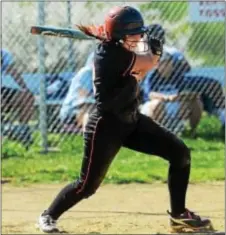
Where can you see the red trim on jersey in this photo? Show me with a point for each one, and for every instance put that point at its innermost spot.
(90, 158)
(131, 64)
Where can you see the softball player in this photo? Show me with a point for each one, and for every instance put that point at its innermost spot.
(116, 121)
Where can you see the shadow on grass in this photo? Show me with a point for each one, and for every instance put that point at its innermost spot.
(207, 135)
(209, 128)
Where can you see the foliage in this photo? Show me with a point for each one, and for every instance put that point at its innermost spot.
(21, 166)
(203, 41)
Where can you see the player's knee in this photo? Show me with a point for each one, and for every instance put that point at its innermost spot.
(90, 189)
(83, 189)
(184, 158)
(89, 192)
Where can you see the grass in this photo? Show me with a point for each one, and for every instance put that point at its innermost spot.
(24, 167)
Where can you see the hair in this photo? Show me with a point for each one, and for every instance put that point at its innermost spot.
(95, 31)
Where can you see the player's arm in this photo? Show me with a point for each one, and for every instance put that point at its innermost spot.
(162, 97)
(173, 98)
(157, 95)
(148, 61)
(139, 75)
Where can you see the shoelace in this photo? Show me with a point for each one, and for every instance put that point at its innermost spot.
(192, 215)
(50, 221)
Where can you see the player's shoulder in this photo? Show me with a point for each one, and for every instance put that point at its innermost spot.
(6, 58)
(109, 49)
(4, 51)
(86, 70)
(171, 50)
(90, 59)
(6, 55)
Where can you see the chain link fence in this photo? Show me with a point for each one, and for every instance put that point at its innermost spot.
(43, 79)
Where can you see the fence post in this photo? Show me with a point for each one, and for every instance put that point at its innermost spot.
(42, 101)
(71, 57)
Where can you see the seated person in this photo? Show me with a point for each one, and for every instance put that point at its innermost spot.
(172, 75)
(165, 103)
(79, 100)
(18, 99)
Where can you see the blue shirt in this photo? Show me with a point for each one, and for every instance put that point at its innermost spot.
(7, 80)
(90, 59)
(155, 82)
(6, 59)
(79, 93)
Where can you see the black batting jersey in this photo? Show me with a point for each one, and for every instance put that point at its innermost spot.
(116, 90)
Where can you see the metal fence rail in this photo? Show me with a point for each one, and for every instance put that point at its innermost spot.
(37, 72)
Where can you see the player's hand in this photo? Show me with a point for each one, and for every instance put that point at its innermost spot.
(155, 45)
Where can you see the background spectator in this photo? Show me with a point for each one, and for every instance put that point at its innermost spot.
(79, 100)
(172, 78)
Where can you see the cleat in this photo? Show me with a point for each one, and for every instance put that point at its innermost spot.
(189, 222)
(47, 224)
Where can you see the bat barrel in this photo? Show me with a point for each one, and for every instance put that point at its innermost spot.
(59, 32)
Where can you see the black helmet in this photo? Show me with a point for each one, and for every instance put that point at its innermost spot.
(156, 30)
(122, 21)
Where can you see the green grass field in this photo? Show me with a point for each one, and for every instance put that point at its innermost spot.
(23, 167)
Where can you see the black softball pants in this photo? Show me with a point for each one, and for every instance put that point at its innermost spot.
(103, 138)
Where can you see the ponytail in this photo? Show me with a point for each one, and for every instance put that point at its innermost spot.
(97, 32)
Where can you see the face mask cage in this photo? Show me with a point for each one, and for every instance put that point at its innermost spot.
(142, 45)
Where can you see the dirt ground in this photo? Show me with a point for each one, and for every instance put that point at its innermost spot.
(114, 209)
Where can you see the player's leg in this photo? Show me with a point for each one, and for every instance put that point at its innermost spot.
(101, 144)
(206, 87)
(196, 110)
(153, 139)
(154, 109)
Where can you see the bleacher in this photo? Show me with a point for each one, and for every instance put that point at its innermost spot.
(33, 84)
(54, 103)
(33, 80)
(217, 73)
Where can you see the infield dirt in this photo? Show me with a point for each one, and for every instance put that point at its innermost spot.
(114, 209)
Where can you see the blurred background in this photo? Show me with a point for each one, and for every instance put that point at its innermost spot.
(46, 86)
